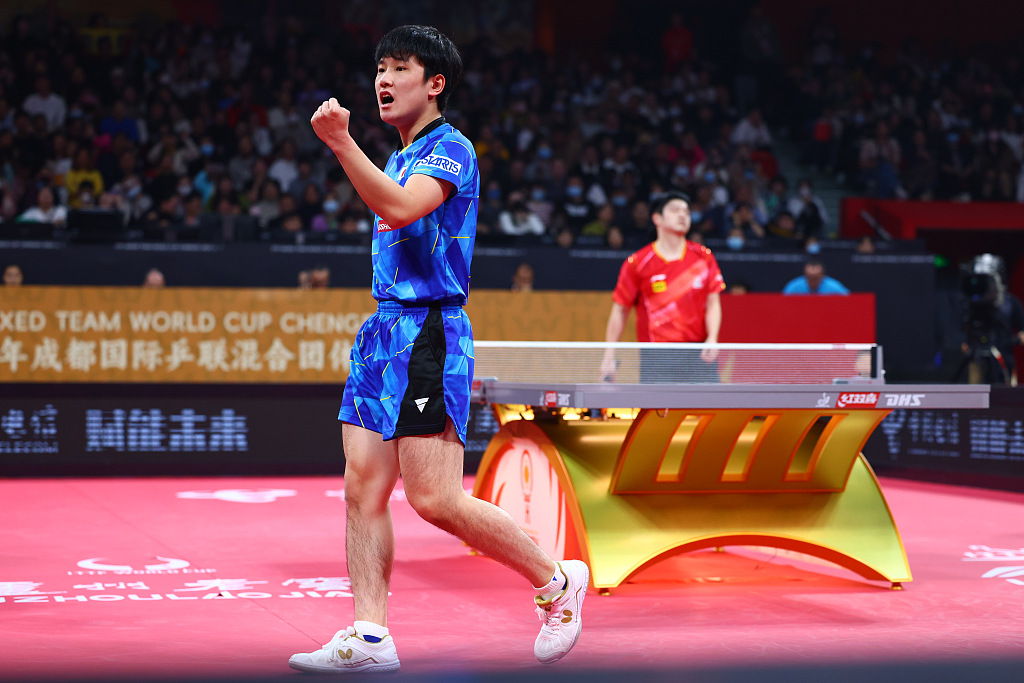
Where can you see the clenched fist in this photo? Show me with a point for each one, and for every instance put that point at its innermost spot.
(330, 122)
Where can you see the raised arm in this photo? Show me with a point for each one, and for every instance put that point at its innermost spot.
(396, 205)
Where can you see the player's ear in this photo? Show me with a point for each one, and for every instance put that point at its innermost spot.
(436, 84)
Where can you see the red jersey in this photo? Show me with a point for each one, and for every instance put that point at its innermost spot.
(670, 296)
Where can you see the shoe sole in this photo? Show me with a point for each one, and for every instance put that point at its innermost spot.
(372, 668)
(586, 585)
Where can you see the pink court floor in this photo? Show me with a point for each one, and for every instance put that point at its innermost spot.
(177, 578)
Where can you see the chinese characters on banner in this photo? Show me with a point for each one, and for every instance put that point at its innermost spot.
(59, 334)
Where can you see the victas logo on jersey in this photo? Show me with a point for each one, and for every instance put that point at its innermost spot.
(443, 163)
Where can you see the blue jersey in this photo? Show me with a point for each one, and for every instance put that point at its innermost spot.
(428, 260)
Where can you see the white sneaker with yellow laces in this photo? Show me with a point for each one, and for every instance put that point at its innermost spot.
(347, 652)
(560, 615)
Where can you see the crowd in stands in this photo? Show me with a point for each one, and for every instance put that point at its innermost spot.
(905, 125)
(189, 133)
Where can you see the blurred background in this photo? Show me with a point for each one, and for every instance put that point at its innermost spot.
(169, 145)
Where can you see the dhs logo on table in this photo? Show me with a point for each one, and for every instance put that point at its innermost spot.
(857, 399)
(903, 400)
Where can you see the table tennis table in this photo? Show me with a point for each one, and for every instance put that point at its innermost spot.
(625, 474)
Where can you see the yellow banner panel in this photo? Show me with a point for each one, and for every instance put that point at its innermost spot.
(130, 334)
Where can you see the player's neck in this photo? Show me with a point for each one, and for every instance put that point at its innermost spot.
(670, 245)
(426, 117)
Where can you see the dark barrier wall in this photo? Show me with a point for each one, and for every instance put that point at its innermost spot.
(970, 446)
(903, 283)
(123, 430)
(181, 429)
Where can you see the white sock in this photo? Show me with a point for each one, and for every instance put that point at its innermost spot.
(556, 584)
(368, 628)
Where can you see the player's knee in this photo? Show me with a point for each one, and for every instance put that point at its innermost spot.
(433, 507)
(365, 493)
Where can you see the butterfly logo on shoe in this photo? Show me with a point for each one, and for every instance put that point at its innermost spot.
(568, 616)
(345, 654)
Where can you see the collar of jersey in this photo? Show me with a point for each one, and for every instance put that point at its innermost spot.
(439, 121)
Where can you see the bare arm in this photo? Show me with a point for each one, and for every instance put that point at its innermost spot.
(612, 334)
(713, 322)
(396, 205)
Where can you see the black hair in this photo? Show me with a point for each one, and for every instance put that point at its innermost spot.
(434, 50)
(659, 204)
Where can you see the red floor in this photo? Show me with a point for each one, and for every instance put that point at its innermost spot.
(166, 578)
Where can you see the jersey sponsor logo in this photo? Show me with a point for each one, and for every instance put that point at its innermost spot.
(903, 400)
(382, 226)
(443, 163)
(857, 399)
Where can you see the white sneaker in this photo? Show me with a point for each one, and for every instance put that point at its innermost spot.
(561, 615)
(347, 651)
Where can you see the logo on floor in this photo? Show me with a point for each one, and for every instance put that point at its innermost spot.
(174, 589)
(239, 495)
(984, 553)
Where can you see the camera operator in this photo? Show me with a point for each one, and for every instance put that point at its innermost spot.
(994, 322)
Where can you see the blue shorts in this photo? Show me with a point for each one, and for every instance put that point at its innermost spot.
(411, 368)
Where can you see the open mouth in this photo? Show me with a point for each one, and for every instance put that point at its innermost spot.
(386, 98)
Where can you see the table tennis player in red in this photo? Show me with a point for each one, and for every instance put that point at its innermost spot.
(674, 285)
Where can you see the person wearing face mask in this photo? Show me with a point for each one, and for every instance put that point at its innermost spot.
(330, 218)
(539, 204)
(675, 286)
(576, 210)
(814, 281)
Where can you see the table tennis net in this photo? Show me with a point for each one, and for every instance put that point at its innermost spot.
(640, 363)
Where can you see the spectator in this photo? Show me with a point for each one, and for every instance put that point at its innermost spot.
(268, 208)
(919, 178)
(240, 166)
(784, 226)
(47, 103)
(83, 172)
(522, 278)
(602, 222)
(285, 168)
(320, 277)
(517, 219)
(13, 277)
(814, 281)
(45, 211)
(752, 131)
(576, 210)
(490, 208)
(775, 201)
(743, 225)
(329, 218)
(539, 204)
(880, 156)
(808, 210)
(120, 122)
(676, 43)
(154, 279)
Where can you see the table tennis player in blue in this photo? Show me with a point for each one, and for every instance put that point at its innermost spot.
(406, 402)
